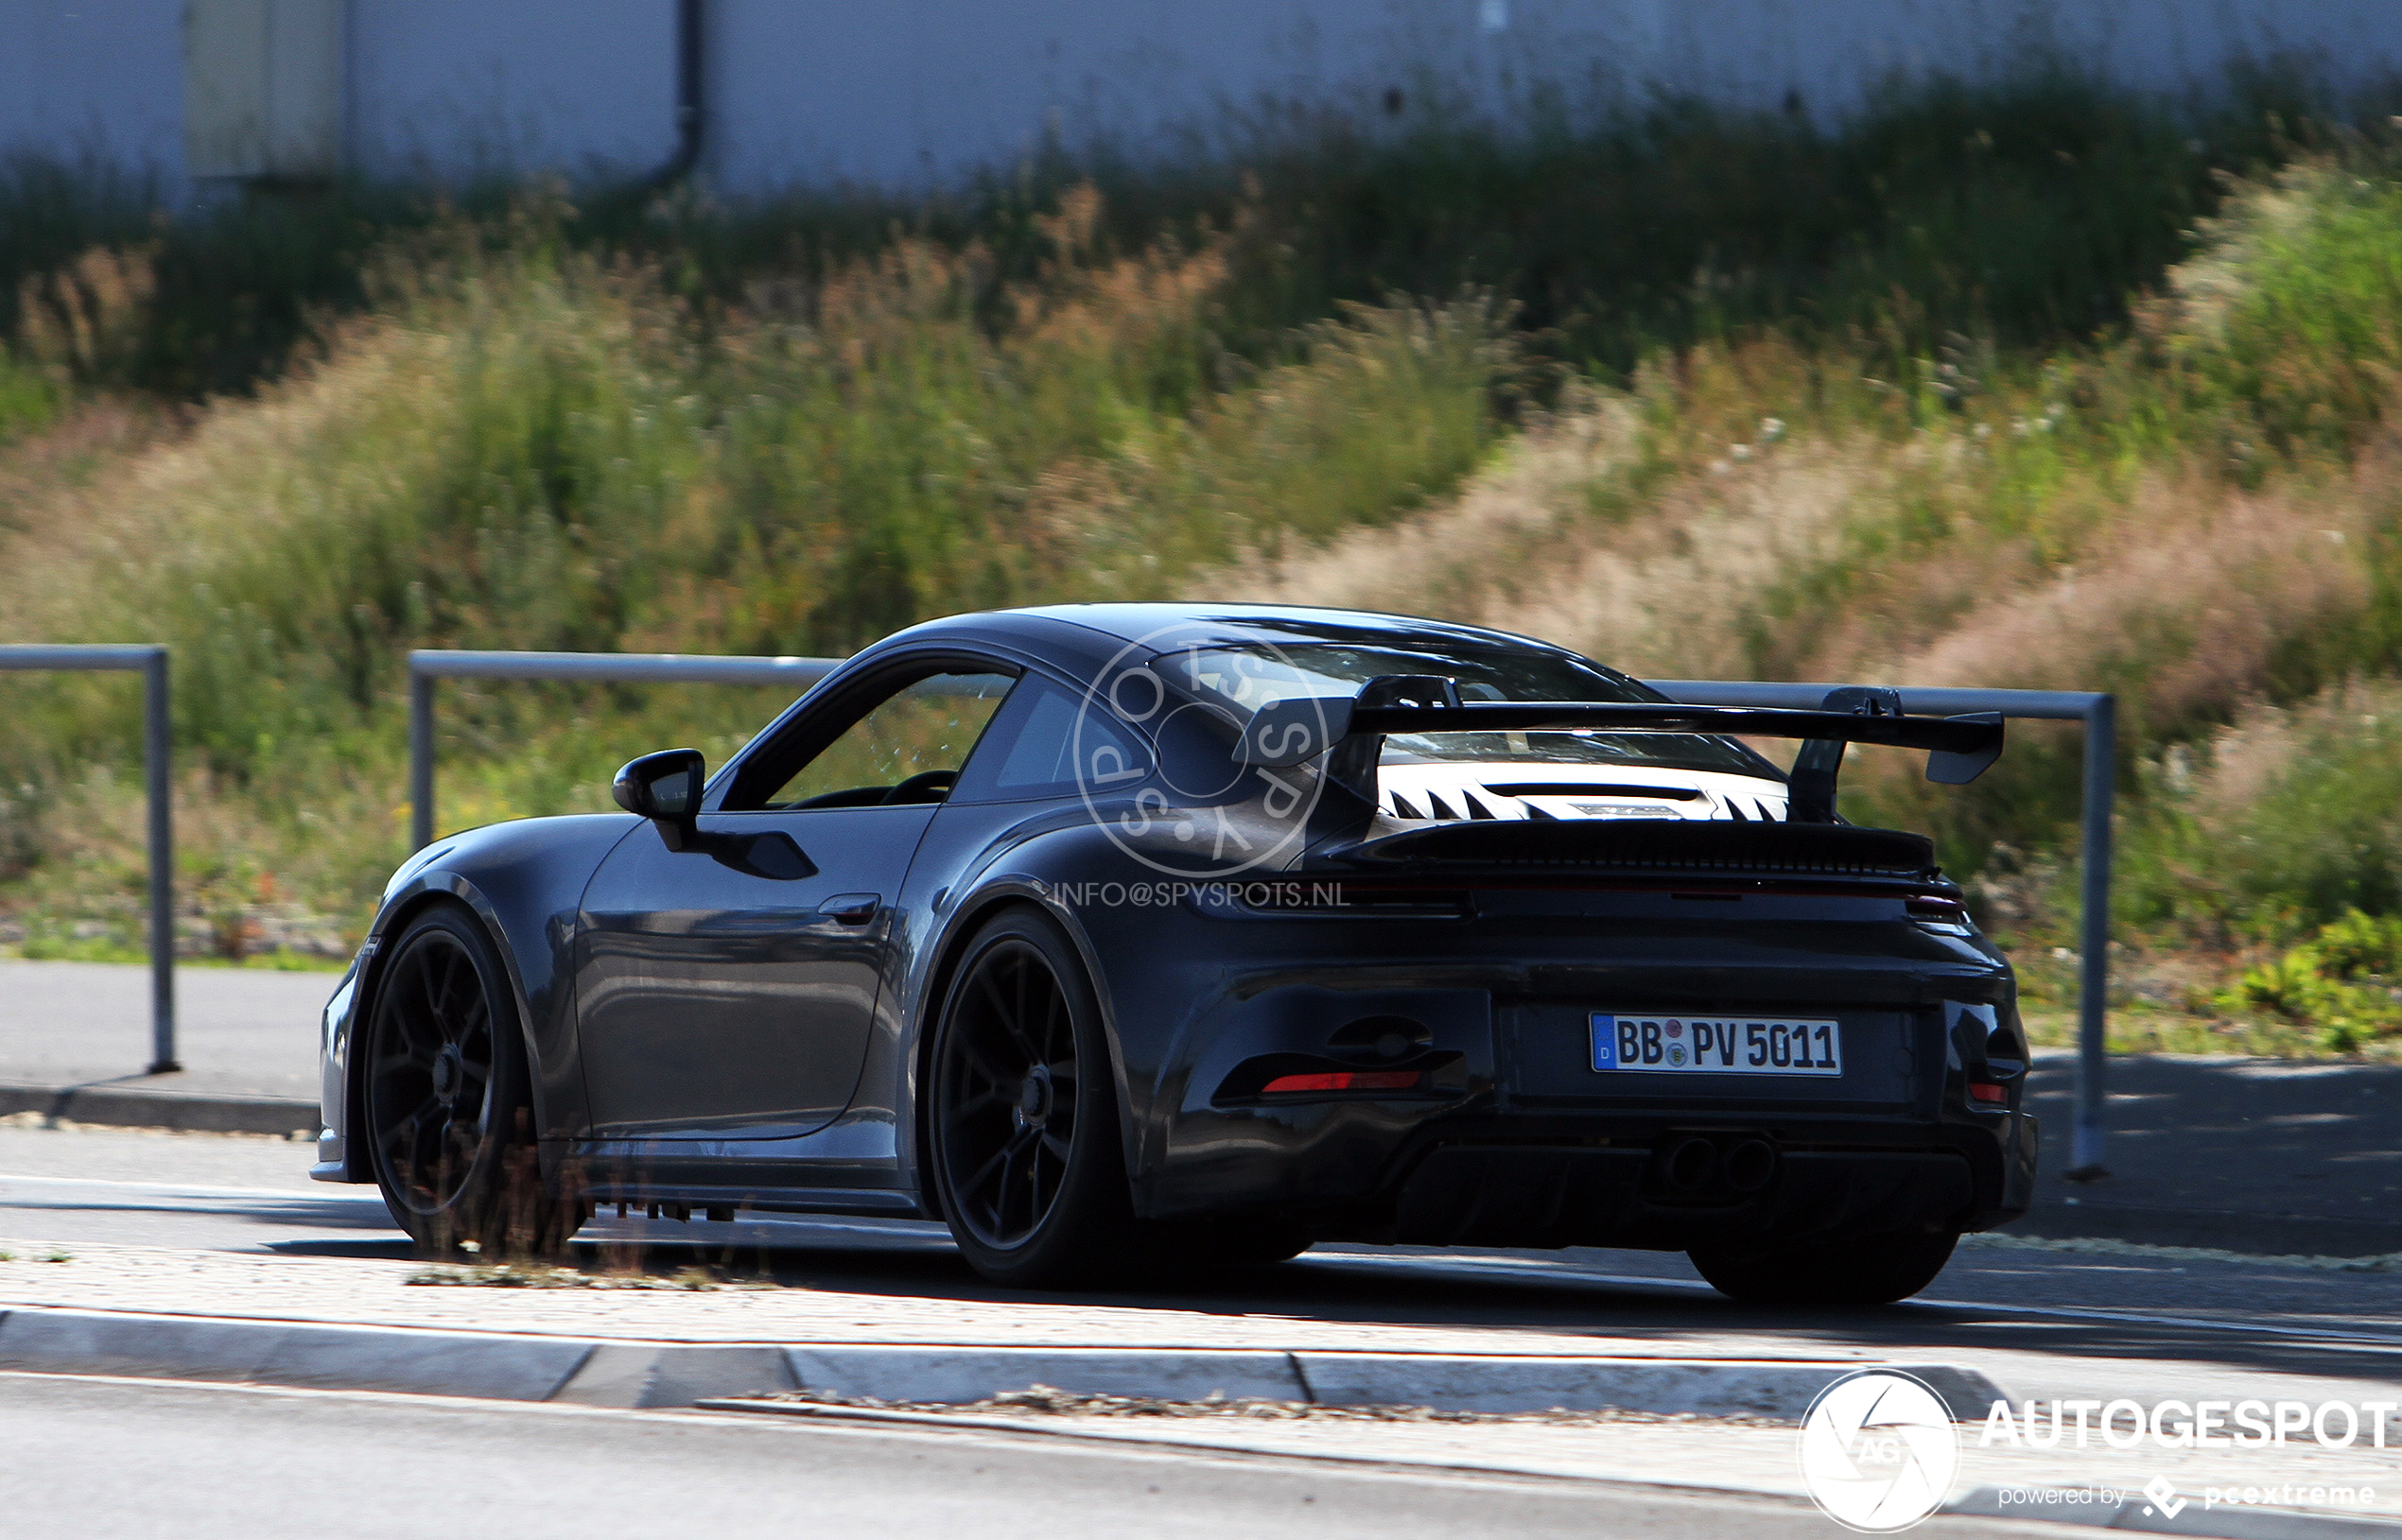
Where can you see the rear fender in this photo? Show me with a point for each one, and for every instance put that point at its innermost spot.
(1001, 893)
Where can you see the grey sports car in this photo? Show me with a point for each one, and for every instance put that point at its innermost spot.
(1116, 935)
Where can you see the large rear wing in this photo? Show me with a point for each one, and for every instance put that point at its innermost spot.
(1293, 732)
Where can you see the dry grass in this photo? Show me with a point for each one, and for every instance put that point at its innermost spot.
(524, 443)
(521, 448)
(113, 499)
(2190, 598)
(1543, 542)
(2245, 761)
(1471, 556)
(2193, 596)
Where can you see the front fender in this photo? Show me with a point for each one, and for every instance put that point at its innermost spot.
(522, 881)
(343, 1072)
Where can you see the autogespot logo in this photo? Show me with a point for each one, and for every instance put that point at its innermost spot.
(1224, 817)
(1878, 1451)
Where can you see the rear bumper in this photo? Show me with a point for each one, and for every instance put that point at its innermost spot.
(1544, 1181)
(1548, 1182)
(1512, 1134)
(1470, 1194)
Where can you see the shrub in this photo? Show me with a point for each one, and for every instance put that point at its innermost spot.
(2334, 983)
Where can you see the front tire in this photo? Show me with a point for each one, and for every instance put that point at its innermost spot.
(1875, 1269)
(449, 1099)
(1023, 1133)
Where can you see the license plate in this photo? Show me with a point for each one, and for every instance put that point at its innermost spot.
(1717, 1045)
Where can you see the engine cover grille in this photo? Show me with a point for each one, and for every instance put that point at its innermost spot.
(1655, 846)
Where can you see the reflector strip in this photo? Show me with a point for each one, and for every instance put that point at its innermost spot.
(1980, 1091)
(1348, 1080)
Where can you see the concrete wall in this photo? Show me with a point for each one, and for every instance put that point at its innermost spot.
(463, 84)
(94, 77)
(1753, 51)
(918, 92)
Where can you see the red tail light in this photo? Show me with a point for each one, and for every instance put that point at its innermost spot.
(1985, 1091)
(1347, 1079)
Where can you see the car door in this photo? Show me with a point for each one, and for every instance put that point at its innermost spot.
(729, 989)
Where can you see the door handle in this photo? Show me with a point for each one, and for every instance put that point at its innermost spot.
(852, 908)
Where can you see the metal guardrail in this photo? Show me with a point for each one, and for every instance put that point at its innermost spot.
(151, 661)
(428, 665)
(2099, 713)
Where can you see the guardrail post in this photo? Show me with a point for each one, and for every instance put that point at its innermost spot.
(421, 756)
(158, 770)
(2093, 973)
(149, 659)
(427, 665)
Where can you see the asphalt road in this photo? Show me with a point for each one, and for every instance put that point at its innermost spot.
(2045, 1321)
(239, 1031)
(94, 1458)
(2263, 1155)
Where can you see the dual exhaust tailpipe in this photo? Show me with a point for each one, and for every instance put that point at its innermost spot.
(1694, 1167)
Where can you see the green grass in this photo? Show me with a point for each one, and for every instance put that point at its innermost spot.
(2149, 1031)
(26, 400)
(523, 445)
(2255, 388)
(591, 419)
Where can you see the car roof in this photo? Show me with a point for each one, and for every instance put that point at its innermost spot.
(1172, 627)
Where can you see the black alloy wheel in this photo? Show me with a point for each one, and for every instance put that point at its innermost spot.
(1023, 1123)
(448, 1106)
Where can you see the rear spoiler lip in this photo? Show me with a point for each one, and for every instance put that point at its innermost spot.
(1291, 732)
(1682, 855)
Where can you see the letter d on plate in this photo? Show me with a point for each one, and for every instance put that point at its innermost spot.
(1605, 1033)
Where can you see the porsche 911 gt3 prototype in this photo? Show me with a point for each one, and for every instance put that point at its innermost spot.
(1111, 934)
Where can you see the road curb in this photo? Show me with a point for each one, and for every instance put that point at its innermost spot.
(127, 1106)
(644, 1374)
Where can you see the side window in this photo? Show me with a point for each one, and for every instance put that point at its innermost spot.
(1050, 743)
(908, 746)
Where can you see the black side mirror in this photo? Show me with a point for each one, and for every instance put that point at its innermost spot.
(665, 788)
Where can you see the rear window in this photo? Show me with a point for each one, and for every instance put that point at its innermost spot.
(1244, 680)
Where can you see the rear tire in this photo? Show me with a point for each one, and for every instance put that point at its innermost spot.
(1024, 1143)
(1875, 1270)
(449, 1099)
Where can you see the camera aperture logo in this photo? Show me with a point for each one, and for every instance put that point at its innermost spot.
(1190, 816)
(1878, 1451)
